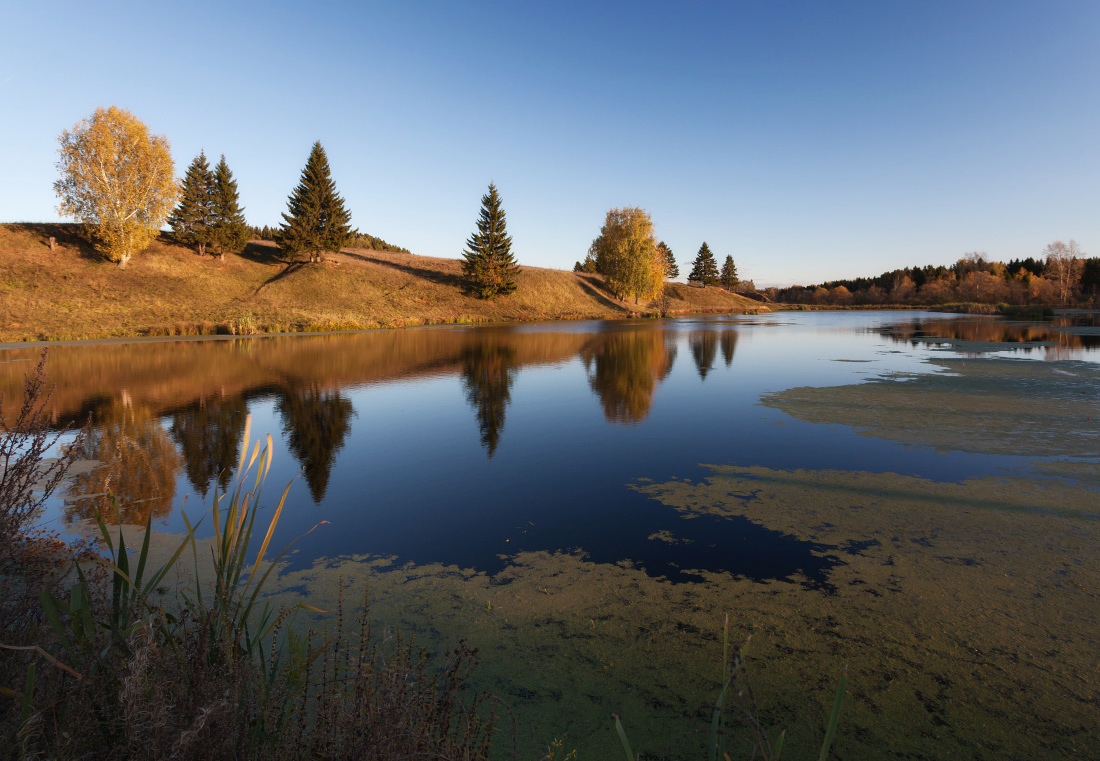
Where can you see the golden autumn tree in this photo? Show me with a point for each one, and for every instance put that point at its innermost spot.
(117, 179)
(626, 254)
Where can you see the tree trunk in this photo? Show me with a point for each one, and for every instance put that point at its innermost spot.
(53, 243)
(123, 261)
(202, 249)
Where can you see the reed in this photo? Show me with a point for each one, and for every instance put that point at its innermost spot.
(121, 670)
(717, 732)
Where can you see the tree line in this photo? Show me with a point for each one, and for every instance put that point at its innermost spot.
(119, 180)
(358, 239)
(1060, 274)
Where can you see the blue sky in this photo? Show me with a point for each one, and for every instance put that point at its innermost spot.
(810, 140)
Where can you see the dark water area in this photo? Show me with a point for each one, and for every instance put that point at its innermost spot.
(520, 453)
(462, 446)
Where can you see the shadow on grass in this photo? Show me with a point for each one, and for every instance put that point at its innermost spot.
(431, 275)
(289, 270)
(595, 288)
(262, 253)
(69, 234)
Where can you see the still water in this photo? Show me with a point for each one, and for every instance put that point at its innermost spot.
(908, 496)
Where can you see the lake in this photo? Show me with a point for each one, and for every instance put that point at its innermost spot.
(909, 498)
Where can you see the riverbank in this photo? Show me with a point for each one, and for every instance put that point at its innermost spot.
(71, 293)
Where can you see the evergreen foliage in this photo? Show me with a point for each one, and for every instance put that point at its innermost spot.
(588, 266)
(192, 219)
(316, 220)
(365, 240)
(488, 373)
(672, 270)
(316, 423)
(704, 269)
(488, 263)
(729, 274)
(229, 231)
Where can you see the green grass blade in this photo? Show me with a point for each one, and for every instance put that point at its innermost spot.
(144, 556)
(622, 739)
(834, 719)
(50, 605)
(725, 649)
(270, 532)
(156, 578)
(779, 745)
(715, 720)
(104, 532)
(274, 564)
(27, 707)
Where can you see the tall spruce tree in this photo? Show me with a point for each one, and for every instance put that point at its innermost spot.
(229, 233)
(672, 270)
(316, 220)
(488, 263)
(729, 274)
(704, 269)
(192, 219)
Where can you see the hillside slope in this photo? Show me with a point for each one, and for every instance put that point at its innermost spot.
(72, 293)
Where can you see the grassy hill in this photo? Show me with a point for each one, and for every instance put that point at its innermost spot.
(72, 293)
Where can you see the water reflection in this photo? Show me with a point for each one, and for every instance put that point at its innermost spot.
(209, 436)
(729, 345)
(488, 372)
(315, 423)
(1059, 338)
(139, 467)
(704, 349)
(624, 369)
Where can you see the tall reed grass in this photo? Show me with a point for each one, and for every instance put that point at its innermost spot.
(717, 731)
(121, 668)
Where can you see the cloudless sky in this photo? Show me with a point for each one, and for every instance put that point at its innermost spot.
(811, 140)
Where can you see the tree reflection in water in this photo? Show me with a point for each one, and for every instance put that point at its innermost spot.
(139, 467)
(488, 372)
(624, 370)
(729, 345)
(209, 433)
(316, 423)
(704, 348)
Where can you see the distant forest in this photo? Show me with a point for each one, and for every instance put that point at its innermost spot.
(974, 278)
(358, 239)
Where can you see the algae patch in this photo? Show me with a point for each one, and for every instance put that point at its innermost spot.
(984, 406)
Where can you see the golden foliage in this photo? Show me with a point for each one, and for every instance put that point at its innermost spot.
(624, 369)
(626, 253)
(116, 178)
(139, 468)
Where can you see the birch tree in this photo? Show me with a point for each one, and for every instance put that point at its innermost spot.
(117, 179)
(1064, 264)
(626, 254)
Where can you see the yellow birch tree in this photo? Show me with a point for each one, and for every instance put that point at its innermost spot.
(626, 254)
(117, 179)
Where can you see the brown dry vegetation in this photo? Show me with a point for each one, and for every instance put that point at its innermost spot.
(72, 293)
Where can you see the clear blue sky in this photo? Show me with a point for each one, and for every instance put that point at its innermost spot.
(810, 140)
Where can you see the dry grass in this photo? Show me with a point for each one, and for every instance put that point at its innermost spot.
(72, 293)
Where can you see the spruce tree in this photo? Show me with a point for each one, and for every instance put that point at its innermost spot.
(230, 233)
(191, 220)
(488, 263)
(729, 274)
(672, 270)
(704, 269)
(316, 220)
